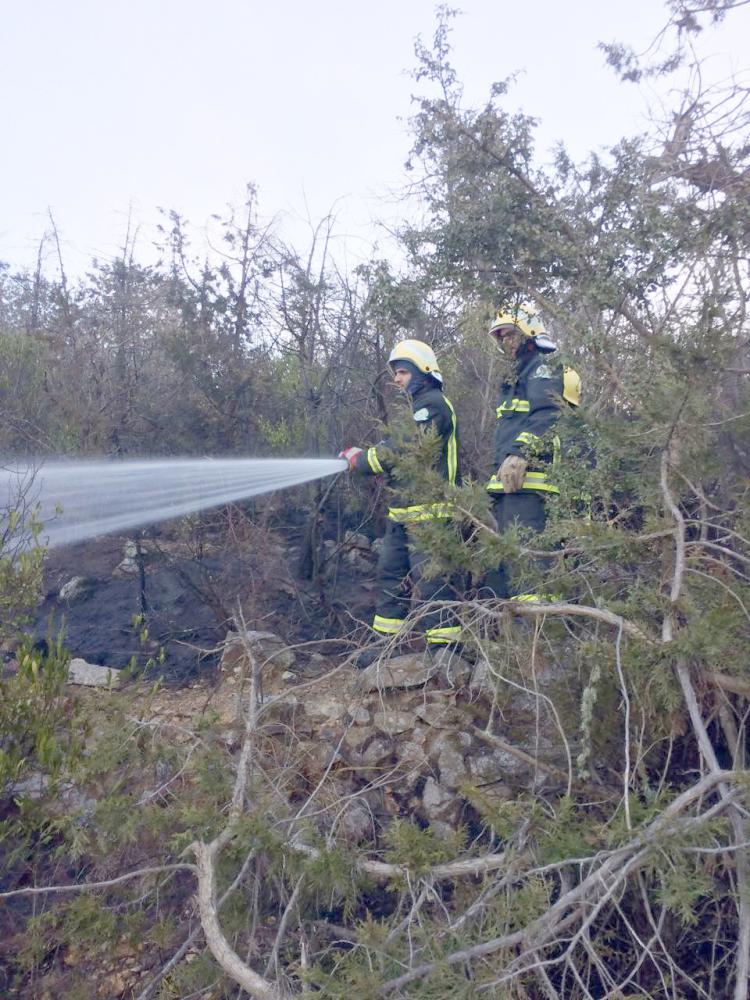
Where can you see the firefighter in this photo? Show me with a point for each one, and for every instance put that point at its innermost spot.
(527, 450)
(416, 372)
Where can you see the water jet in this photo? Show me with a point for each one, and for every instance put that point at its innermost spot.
(77, 500)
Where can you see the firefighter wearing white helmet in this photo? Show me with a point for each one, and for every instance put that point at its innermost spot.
(527, 446)
(417, 373)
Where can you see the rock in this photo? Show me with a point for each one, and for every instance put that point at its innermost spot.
(439, 804)
(494, 794)
(359, 716)
(357, 540)
(328, 708)
(494, 765)
(439, 714)
(33, 787)
(357, 550)
(76, 589)
(377, 752)
(393, 722)
(356, 823)
(408, 671)
(269, 648)
(412, 753)
(73, 799)
(129, 565)
(482, 682)
(358, 560)
(92, 674)
(447, 753)
(452, 668)
(451, 765)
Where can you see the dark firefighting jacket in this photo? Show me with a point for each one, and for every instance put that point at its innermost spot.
(430, 410)
(527, 412)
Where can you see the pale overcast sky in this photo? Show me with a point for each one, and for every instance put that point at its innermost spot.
(110, 106)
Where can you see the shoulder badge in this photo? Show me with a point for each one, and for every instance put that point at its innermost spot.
(543, 371)
(421, 415)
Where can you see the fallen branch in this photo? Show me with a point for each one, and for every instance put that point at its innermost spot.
(41, 890)
(602, 880)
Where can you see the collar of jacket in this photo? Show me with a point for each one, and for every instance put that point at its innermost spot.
(424, 386)
(419, 385)
(526, 361)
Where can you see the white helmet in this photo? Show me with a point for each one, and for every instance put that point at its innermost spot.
(421, 355)
(525, 319)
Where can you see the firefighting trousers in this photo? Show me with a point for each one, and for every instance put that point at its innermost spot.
(525, 510)
(400, 578)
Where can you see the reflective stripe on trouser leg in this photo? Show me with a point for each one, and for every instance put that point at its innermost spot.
(536, 598)
(443, 635)
(387, 626)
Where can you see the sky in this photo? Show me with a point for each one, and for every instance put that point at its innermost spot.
(112, 109)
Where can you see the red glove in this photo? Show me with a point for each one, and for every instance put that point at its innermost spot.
(350, 456)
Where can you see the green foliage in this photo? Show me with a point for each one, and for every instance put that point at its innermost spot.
(682, 884)
(39, 732)
(21, 562)
(420, 849)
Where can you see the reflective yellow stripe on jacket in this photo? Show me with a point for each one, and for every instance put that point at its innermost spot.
(514, 406)
(420, 512)
(452, 446)
(531, 481)
(373, 461)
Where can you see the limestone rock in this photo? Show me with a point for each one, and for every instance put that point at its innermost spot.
(357, 550)
(129, 565)
(358, 561)
(33, 787)
(379, 751)
(495, 765)
(92, 674)
(356, 823)
(357, 540)
(439, 714)
(393, 722)
(408, 671)
(359, 716)
(270, 649)
(451, 765)
(412, 754)
(439, 805)
(76, 589)
(452, 668)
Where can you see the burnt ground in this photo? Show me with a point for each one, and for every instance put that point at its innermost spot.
(192, 582)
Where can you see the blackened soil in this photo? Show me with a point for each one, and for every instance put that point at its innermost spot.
(190, 595)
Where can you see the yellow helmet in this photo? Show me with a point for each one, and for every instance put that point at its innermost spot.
(523, 317)
(421, 355)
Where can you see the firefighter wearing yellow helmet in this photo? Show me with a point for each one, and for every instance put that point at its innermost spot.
(417, 373)
(527, 446)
